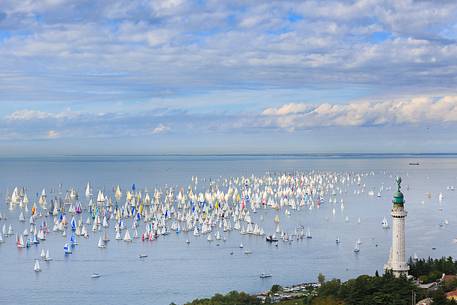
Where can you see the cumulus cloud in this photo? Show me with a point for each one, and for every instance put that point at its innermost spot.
(160, 129)
(215, 44)
(52, 134)
(30, 115)
(417, 110)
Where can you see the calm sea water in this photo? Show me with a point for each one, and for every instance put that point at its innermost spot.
(177, 272)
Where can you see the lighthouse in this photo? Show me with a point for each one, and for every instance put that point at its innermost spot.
(397, 258)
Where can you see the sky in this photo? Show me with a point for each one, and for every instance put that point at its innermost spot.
(215, 77)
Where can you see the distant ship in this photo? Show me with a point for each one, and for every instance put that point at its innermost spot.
(413, 163)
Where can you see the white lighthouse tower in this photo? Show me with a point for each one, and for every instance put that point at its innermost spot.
(397, 258)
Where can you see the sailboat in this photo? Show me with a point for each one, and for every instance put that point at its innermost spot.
(196, 233)
(10, 230)
(308, 234)
(105, 236)
(385, 224)
(67, 249)
(47, 257)
(37, 268)
(356, 248)
(88, 192)
(127, 236)
(118, 235)
(210, 237)
(73, 241)
(101, 243)
(20, 242)
(43, 254)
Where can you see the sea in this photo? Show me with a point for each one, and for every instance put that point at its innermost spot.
(175, 271)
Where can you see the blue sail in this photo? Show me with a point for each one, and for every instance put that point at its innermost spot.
(73, 224)
(73, 241)
(35, 240)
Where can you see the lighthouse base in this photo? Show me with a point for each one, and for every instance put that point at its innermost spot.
(398, 271)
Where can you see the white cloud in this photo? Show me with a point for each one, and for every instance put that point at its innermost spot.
(52, 134)
(215, 44)
(417, 110)
(160, 129)
(31, 115)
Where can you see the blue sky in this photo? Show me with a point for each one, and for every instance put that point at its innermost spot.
(175, 76)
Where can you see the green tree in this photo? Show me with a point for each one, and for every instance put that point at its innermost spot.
(326, 301)
(275, 289)
(321, 278)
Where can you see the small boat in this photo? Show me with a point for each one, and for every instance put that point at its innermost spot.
(241, 246)
(218, 235)
(247, 252)
(127, 237)
(337, 240)
(271, 238)
(20, 242)
(67, 249)
(105, 236)
(413, 163)
(385, 224)
(308, 234)
(356, 248)
(95, 275)
(118, 236)
(101, 243)
(187, 241)
(47, 257)
(37, 268)
(142, 255)
(265, 275)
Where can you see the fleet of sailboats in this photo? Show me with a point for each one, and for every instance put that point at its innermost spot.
(234, 205)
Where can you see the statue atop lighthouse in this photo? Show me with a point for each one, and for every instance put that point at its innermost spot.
(397, 258)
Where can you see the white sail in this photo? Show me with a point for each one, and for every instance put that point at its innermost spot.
(101, 243)
(37, 266)
(47, 256)
(127, 236)
(88, 192)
